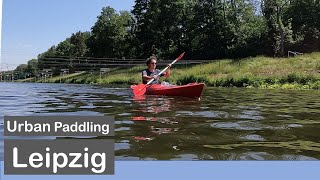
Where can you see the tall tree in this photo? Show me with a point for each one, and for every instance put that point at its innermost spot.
(305, 18)
(66, 49)
(142, 30)
(79, 40)
(51, 52)
(248, 26)
(185, 32)
(109, 32)
(32, 67)
(160, 26)
(213, 28)
(279, 33)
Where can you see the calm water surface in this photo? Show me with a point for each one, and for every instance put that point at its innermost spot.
(227, 124)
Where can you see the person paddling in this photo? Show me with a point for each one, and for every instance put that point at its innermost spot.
(139, 90)
(152, 72)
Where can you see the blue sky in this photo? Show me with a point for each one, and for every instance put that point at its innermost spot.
(30, 27)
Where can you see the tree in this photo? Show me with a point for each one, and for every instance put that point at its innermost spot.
(21, 71)
(22, 68)
(79, 40)
(51, 52)
(66, 48)
(279, 33)
(73, 46)
(32, 67)
(305, 18)
(109, 32)
(204, 29)
(142, 30)
(248, 27)
(214, 29)
(160, 26)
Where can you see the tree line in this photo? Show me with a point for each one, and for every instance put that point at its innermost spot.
(204, 29)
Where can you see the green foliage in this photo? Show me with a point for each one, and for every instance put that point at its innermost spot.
(119, 79)
(305, 17)
(279, 31)
(65, 48)
(33, 67)
(299, 78)
(22, 68)
(75, 46)
(51, 52)
(315, 85)
(213, 28)
(204, 29)
(160, 26)
(109, 34)
(190, 79)
(80, 41)
(27, 70)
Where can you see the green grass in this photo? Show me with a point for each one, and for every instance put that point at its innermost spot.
(301, 72)
(26, 80)
(64, 79)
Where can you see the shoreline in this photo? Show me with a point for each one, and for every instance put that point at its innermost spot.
(300, 72)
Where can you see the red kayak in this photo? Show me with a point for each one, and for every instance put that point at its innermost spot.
(193, 90)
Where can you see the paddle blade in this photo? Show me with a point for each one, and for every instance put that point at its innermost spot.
(180, 57)
(139, 90)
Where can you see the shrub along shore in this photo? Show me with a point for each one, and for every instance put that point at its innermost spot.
(300, 72)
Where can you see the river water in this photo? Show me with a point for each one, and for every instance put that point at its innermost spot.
(227, 124)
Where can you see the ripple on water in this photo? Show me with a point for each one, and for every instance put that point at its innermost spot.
(249, 115)
(251, 125)
(183, 157)
(124, 114)
(267, 156)
(122, 145)
(289, 145)
(235, 123)
(253, 156)
(295, 125)
(75, 113)
(285, 115)
(292, 157)
(123, 122)
(252, 137)
(242, 125)
(122, 129)
(207, 114)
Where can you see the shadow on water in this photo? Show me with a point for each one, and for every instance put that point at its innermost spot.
(227, 124)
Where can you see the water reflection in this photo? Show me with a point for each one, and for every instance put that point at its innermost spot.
(153, 105)
(227, 124)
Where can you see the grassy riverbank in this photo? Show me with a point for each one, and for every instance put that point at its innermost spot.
(301, 72)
